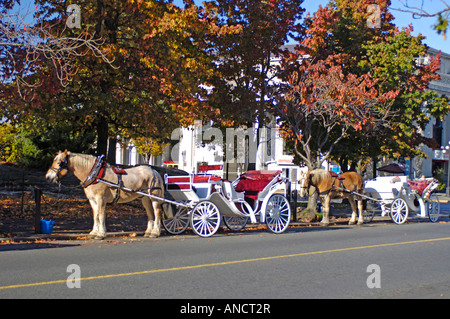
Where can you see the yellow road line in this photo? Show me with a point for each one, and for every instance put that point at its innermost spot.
(146, 272)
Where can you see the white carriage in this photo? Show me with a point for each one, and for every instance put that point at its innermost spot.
(204, 201)
(399, 198)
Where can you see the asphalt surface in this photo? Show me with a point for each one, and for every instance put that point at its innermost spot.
(304, 262)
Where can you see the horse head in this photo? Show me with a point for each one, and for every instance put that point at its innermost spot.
(59, 167)
(304, 180)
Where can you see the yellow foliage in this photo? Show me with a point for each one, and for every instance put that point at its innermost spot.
(147, 146)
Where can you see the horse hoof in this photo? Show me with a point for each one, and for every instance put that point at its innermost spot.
(351, 222)
(324, 224)
(151, 235)
(97, 235)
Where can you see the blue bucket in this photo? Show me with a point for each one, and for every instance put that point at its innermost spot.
(47, 226)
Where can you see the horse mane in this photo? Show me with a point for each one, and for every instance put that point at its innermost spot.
(318, 175)
(85, 161)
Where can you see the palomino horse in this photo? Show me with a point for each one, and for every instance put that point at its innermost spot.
(142, 178)
(329, 187)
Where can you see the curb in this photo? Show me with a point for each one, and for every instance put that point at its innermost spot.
(31, 237)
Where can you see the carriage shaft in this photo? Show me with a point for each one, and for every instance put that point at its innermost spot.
(142, 193)
(356, 194)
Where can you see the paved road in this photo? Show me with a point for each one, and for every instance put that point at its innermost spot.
(445, 208)
(407, 261)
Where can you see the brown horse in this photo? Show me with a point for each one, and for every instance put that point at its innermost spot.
(329, 187)
(142, 178)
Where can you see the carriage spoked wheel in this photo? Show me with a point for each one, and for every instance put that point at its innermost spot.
(179, 223)
(433, 208)
(205, 219)
(278, 213)
(237, 223)
(372, 208)
(399, 211)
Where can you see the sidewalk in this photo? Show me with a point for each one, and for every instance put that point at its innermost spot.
(79, 231)
(443, 198)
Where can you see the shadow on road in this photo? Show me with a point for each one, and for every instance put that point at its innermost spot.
(32, 246)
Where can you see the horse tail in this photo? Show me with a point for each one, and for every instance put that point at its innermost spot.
(156, 184)
(360, 184)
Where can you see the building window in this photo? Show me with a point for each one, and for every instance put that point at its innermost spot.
(437, 131)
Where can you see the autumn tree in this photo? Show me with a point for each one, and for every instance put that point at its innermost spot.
(402, 63)
(339, 35)
(156, 82)
(324, 104)
(26, 45)
(328, 98)
(246, 85)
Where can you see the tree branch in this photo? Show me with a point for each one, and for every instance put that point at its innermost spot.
(26, 45)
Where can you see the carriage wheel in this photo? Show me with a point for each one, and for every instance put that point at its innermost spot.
(433, 208)
(278, 213)
(373, 207)
(238, 223)
(205, 219)
(179, 223)
(399, 211)
(235, 223)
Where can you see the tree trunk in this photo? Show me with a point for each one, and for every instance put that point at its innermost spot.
(374, 167)
(102, 136)
(111, 159)
(311, 210)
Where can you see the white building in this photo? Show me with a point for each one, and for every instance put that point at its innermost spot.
(438, 159)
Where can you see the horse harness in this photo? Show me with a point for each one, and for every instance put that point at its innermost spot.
(334, 177)
(98, 172)
(341, 179)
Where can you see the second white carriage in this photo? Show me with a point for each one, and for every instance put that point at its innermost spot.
(398, 197)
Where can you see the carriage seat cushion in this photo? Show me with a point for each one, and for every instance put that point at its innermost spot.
(419, 186)
(251, 187)
(252, 182)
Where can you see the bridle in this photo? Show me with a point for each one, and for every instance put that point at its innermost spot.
(63, 164)
(305, 180)
(306, 184)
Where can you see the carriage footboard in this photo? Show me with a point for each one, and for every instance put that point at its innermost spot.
(228, 208)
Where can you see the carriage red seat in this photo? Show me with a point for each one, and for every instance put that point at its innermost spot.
(253, 182)
(206, 178)
(419, 186)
